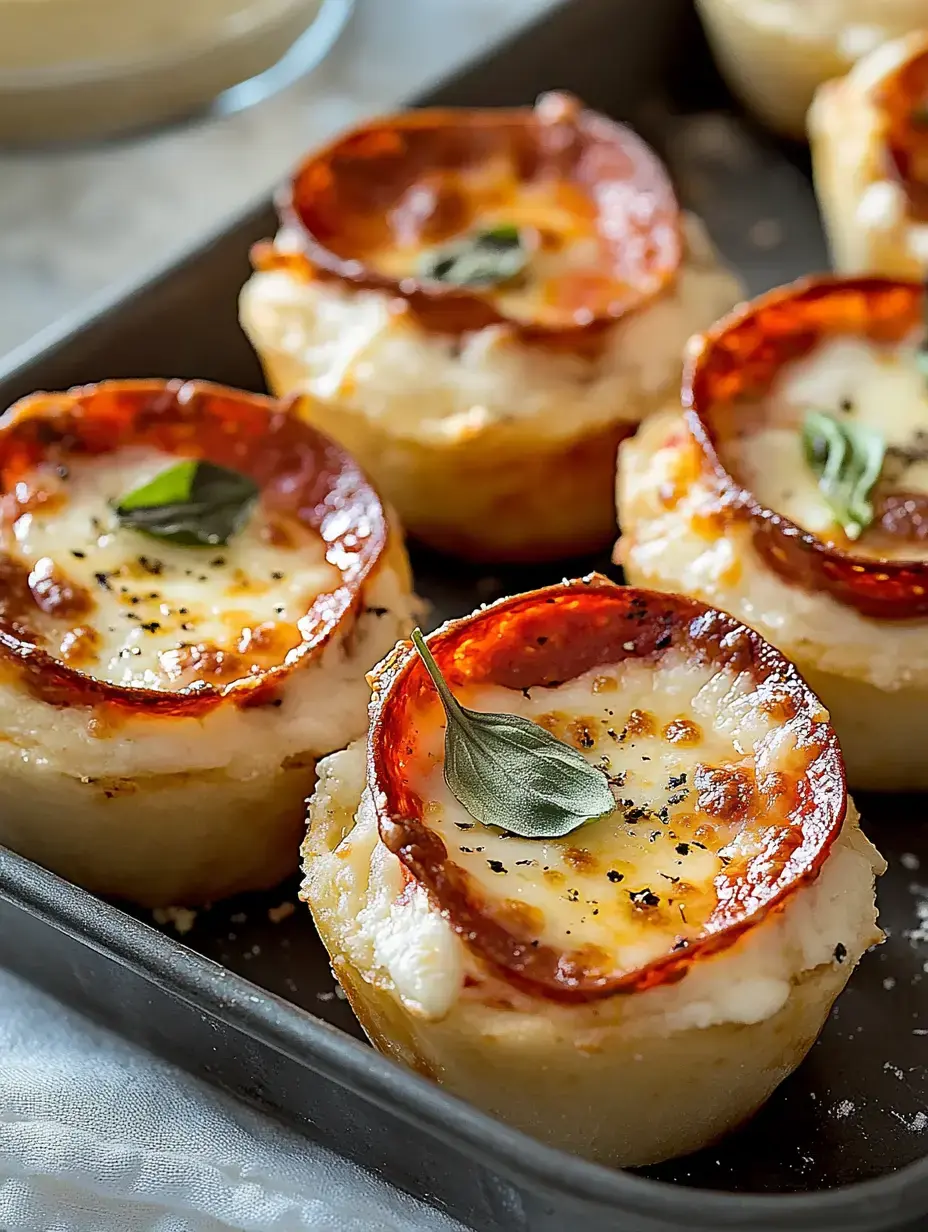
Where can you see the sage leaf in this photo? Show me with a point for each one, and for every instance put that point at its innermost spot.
(484, 258)
(193, 503)
(847, 458)
(510, 773)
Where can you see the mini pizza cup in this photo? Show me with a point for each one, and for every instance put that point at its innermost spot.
(158, 734)
(488, 412)
(677, 956)
(869, 137)
(851, 614)
(775, 53)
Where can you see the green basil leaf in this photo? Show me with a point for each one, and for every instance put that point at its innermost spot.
(847, 458)
(510, 773)
(482, 259)
(194, 503)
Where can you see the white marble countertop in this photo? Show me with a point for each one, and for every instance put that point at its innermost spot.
(76, 222)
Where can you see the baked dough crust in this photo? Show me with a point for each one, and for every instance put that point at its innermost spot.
(775, 53)
(864, 201)
(493, 434)
(182, 795)
(631, 1077)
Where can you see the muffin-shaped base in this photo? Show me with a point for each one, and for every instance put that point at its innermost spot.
(864, 203)
(629, 1080)
(164, 696)
(487, 446)
(775, 55)
(586, 1094)
(871, 675)
(883, 734)
(494, 496)
(158, 840)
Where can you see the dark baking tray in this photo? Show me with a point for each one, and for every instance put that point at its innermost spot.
(841, 1145)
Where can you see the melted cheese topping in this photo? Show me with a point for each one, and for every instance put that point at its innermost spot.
(858, 382)
(569, 267)
(387, 928)
(683, 745)
(351, 350)
(139, 611)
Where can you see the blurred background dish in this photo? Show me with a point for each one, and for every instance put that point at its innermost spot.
(77, 69)
(775, 53)
(81, 224)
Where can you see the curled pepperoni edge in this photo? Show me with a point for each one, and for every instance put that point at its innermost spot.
(740, 357)
(297, 468)
(453, 310)
(586, 623)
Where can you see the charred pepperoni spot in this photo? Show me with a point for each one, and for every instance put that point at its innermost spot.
(682, 731)
(54, 593)
(640, 723)
(724, 792)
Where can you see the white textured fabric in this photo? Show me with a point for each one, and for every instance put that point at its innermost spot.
(97, 1136)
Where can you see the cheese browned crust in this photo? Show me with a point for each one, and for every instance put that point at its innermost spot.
(870, 158)
(724, 507)
(701, 930)
(775, 53)
(162, 706)
(489, 416)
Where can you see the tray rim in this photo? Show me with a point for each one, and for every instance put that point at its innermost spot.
(230, 998)
(297, 1033)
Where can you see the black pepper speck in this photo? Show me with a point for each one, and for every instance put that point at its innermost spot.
(644, 898)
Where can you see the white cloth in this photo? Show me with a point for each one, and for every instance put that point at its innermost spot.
(98, 1136)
